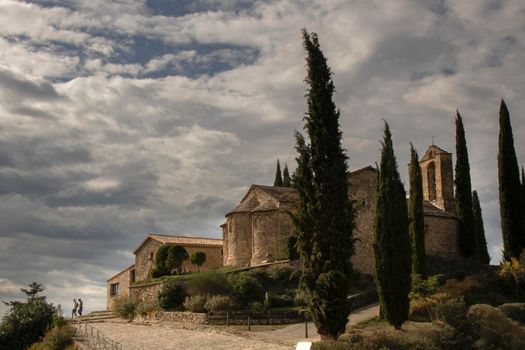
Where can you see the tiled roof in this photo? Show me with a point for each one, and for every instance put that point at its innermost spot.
(252, 203)
(182, 240)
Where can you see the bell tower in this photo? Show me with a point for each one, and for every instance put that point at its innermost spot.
(438, 178)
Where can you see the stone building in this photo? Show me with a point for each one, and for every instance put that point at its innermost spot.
(256, 228)
(119, 284)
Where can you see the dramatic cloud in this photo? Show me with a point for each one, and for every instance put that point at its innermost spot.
(127, 117)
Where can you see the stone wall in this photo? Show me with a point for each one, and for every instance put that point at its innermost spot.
(441, 236)
(213, 258)
(145, 258)
(123, 279)
(362, 192)
(438, 179)
(271, 229)
(239, 239)
(147, 292)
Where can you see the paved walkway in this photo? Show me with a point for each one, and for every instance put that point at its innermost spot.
(169, 335)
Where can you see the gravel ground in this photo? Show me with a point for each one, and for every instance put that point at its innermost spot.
(167, 337)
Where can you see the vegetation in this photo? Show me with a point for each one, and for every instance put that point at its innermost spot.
(466, 234)
(195, 303)
(391, 240)
(198, 258)
(161, 256)
(287, 180)
(125, 307)
(211, 282)
(278, 181)
(482, 254)
(324, 219)
(176, 256)
(172, 296)
(26, 322)
(513, 272)
(511, 208)
(416, 216)
(218, 303)
(57, 339)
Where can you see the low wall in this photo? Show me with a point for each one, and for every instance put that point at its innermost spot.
(147, 292)
(241, 318)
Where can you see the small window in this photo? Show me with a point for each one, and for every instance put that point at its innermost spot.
(132, 276)
(114, 289)
(150, 257)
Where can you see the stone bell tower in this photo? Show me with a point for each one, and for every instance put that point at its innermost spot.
(438, 178)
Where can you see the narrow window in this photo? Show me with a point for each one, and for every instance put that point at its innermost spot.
(132, 276)
(431, 175)
(114, 289)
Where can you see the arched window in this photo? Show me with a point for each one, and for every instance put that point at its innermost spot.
(431, 176)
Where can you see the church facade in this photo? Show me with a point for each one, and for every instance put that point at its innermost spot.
(256, 230)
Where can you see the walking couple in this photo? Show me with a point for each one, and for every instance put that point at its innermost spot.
(77, 308)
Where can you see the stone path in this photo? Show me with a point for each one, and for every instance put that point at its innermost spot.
(171, 336)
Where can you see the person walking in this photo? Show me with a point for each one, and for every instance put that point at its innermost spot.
(75, 307)
(80, 306)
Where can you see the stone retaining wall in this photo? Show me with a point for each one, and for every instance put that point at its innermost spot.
(147, 292)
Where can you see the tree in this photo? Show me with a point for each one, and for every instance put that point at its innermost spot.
(198, 258)
(323, 220)
(416, 216)
(26, 322)
(482, 253)
(466, 235)
(278, 178)
(160, 261)
(176, 256)
(512, 223)
(287, 181)
(391, 240)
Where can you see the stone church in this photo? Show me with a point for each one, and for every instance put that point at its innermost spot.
(256, 229)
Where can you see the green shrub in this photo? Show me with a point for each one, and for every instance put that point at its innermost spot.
(495, 330)
(280, 273)
(514, 311)
(219, 303)
(381, 341)
(145, 308)
(246, 287)
(453, 312)
(422, 288)
(195, 303)
(156, 273)
(279, 300)
(209, 282)
(56, 339)
(125, 307)
(172, 296)
(59, 321)
(257, 307)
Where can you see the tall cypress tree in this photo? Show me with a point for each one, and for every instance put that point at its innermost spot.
(482, 253)
(391, 239)
(324, 219)
(416, 216)
(278, 181)
(287, 181)
(511, 209)
(466, 236)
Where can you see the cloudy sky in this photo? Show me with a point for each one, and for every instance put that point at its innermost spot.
(119, 118)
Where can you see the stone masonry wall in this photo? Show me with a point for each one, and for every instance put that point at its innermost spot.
(239, 239)
(441, 236)
(143, 260)
(123, 279)
(213, 258)
(363, 195)
(270, 230)
(146, 292)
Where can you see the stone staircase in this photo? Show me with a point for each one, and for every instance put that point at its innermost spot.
(97, 316)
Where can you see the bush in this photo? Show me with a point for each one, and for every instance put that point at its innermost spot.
(422, 288)
(195, 303)
(59, 338)
(210, 282)
(219, 303)
(494, 330)
(125, 307)
(257, 307)
(172, 296)
(453, 312)
(279, 300)
(280, 273)
(381, 341)
(145, 308)
(246, 287)
(514, 311)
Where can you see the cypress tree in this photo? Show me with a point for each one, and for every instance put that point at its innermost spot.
(511, 210)
(278, 178)
(416, 216)
(466, 235)
(323, 220)
(482, 253)
(391, 239)
(287, 181)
